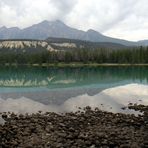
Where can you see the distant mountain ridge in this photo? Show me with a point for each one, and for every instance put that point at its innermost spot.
(53, 44)
(23, 46)
(80, 44)
(57, 29)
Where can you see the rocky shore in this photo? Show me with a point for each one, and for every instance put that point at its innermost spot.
(83, 129)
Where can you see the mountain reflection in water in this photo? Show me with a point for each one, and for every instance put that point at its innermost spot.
(30, 89)
(70, 77)
(112, 99)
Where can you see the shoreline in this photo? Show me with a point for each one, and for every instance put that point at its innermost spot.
(75, 64)
(89, 128)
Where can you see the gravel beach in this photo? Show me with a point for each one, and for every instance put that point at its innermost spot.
(83, 129)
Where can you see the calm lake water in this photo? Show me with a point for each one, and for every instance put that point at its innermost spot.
(40, 88)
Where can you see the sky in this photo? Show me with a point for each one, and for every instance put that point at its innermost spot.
(125, 19)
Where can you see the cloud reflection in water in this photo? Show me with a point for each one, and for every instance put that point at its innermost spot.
(109, 100)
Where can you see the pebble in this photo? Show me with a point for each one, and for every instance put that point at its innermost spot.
(86, 129)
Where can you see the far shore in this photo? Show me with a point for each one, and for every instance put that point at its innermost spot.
(75, 64)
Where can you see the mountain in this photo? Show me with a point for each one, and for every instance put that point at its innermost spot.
(42, 31)
(24, 46)
(58, 29)
(63, 44)
(9, 33)
(143, 42)
(52, 44)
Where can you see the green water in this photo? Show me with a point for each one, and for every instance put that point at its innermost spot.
(43, 78)
(52, 78)
(30, 89)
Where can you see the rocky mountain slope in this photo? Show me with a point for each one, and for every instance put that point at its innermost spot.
(53, 44)
(24, 46)
(63, 43)
(58, 29)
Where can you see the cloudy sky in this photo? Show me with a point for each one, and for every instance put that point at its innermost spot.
(127, 19)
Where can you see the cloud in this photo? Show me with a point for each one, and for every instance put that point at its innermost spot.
(116, 18)
(95, 14)
(25, 12)
(134, 26)
(112, 99)
(64, 6)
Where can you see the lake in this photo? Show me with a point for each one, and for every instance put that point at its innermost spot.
(30, 89)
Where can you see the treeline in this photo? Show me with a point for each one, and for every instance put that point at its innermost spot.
(131, 56)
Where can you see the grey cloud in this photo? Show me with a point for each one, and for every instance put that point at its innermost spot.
(125, 8)
(118, 10)
(112, 17)
(10, 2)
(33, 11)
(64, 7)
(15, 4)
(135, 22)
